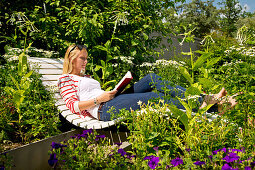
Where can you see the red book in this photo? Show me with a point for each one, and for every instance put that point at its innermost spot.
(124, 82)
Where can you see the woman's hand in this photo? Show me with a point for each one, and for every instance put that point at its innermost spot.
(106, 96)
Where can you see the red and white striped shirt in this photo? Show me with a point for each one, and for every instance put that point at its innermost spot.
(68, 88)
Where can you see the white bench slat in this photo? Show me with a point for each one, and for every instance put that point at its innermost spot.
(63, 108)
(50, 83)
(71, 117)
(79, 121)
(54, 66)
(87, 125)
(50, 71)
(57, 96)
(66, 113)
(60, 103)
(46, 60)
(45, 66)
(50, 77)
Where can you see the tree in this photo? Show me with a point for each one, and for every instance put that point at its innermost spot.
(199, 14)
(230, 12)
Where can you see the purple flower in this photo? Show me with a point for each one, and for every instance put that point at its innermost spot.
(224, 149)
(153, 162)
(199, 163)
(87, 131)
(226, 167)
(188, 149)
(55, 145)
(216, 151)
(236, 150)
(247, 168)
(253, 164)
(177, 161)
(130, 156)
(74, 158)
(99, 137)
(231, 157)
(122, 152)
(148, 157)
(53, 160)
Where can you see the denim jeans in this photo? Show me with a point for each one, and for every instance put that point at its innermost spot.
(142, 91)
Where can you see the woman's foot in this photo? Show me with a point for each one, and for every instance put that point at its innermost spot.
(224, 103)
(213, 99)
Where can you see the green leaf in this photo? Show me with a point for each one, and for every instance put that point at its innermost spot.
(187, 108)
(100, 47)
(181, 116)
(107, 44)
(103, 63)
(201, 60)
(9, 90)
(213, 61)
(116, 38)
(146, 26)
(207, 83)
(186, 53)
(191, 91)
(15, 82)
(98, 67)
(25, 77)
(134, 43)
(153, 135)
(108, 83)
(133, 53)
(186, 74)
(164, 144)
(145, 36)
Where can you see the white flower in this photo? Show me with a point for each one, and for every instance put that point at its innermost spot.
(139, 103)
(193, 97)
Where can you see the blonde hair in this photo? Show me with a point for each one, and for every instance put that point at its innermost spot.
(71, 53)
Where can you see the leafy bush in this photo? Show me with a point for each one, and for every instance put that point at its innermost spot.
(28, 109)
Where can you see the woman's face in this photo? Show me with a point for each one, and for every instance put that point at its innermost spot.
(80, 62)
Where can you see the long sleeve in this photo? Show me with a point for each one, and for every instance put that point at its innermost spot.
(67, 88)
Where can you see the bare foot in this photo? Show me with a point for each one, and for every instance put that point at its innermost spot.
(213, 99)
(227, 103)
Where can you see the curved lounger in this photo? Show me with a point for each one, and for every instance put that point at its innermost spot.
(51, 70)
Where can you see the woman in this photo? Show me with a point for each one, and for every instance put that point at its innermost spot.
(84, 96)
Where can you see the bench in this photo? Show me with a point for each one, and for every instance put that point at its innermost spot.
(51, 70)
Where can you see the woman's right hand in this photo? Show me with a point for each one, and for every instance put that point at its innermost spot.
(106, 96)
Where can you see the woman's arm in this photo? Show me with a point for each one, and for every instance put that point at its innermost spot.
(106, 96)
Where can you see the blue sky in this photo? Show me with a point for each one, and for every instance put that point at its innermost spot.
(249, 4)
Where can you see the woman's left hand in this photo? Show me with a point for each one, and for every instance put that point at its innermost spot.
(106, 96)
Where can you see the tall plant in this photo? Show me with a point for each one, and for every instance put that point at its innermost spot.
(21, 87)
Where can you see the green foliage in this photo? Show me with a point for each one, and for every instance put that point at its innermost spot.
(28, 112)
(200, 14)
(231, 11)
(89, 150)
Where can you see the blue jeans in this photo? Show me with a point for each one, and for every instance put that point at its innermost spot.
(142, 91)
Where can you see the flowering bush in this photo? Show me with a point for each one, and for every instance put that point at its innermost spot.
(89, 150)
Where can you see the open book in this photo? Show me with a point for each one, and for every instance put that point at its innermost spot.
(124, 82)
